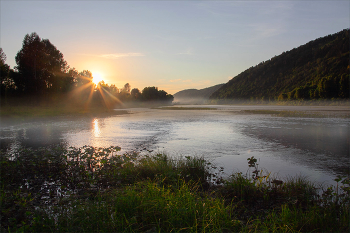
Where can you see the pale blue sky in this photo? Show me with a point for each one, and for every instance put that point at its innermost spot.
(174, 45)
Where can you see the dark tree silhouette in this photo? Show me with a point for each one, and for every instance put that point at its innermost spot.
(152, 94)
(124, 94)
(135, 94)
(126, 88)
(84, 78)
(41, 67)
(7, 84)
(4, 69)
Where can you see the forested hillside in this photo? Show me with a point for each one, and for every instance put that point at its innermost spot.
(316, 70)
(195, 96)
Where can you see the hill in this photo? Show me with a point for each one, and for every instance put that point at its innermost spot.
(195, 96)
(316, 70)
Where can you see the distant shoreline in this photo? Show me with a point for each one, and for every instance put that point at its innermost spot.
(316, 110)
(326, 108)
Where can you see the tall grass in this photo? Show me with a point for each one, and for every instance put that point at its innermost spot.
(92, 189)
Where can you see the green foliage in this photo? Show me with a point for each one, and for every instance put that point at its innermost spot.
(269, 205)
(92, 189)
(47, 177)
(317, 70)
(143, 207)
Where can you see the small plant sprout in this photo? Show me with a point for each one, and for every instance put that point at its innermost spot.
(252, 162)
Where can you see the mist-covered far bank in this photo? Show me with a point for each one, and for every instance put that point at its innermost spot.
(195, 96)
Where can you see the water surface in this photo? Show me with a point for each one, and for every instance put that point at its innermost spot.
(315, 147)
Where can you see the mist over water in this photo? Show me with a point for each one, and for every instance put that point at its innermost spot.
(315, 147)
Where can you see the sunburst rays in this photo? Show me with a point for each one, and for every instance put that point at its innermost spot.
(87, 92)
(108, 98)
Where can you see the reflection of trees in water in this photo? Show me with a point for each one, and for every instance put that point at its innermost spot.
(326, 145)
(44, 136)
(48, 134)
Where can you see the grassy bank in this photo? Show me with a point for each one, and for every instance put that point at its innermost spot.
(98, 190)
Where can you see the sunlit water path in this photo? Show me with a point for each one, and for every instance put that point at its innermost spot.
(315, 147)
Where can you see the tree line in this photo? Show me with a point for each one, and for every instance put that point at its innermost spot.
(317, 70)
(42, 73)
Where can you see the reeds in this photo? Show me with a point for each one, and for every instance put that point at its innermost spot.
(92, 189)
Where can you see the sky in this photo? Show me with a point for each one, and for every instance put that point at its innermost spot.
(173, 45)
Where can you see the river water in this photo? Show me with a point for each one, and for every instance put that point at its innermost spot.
(285, 146)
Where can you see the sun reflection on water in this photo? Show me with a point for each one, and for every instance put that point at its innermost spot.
(96, 129)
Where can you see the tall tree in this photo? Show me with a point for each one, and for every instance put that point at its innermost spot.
(4, 68)
(126, 88)
(153, 94)
(41, 66)
(135, 94)
(84, 77)
(6, 82)
(150, 93)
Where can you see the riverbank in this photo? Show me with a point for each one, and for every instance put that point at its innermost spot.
(86, 189)
(37, 111)
(44, 110)
(21, 110)
(309, 111)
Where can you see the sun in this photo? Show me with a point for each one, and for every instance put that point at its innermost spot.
(97, 77)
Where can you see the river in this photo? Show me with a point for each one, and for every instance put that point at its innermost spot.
(316, 147)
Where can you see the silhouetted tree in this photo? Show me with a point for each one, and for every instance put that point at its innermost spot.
(41, 67)
(113, 90)
(153, 94)
(150, 93)
(74, 75)
(135, 94)
(125, 92)
(7, 84)
(4, 68)
(84, 77)
(126, 88)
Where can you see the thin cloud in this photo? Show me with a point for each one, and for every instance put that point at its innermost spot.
(180, 80)
(119, 55)
(187, 52)
(175, 80)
